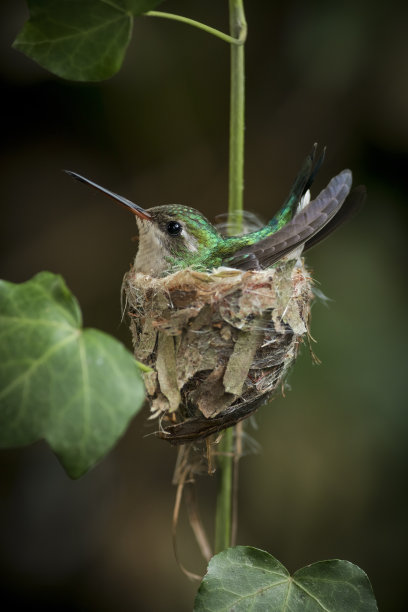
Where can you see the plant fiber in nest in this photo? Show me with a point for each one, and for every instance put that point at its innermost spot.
(219, 343)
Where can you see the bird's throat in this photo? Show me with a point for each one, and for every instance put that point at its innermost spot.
(151, 253)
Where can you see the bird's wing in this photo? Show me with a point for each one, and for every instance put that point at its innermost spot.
(351, 207)
(302, 183)
(304, 226)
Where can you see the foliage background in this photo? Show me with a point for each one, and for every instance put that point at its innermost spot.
(330, 478)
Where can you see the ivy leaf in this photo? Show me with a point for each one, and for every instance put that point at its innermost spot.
(81, 40)
(76, 388)
(244, 579)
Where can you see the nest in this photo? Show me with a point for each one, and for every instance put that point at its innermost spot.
(219, 343)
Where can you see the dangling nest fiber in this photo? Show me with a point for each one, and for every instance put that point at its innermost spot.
(219, 343)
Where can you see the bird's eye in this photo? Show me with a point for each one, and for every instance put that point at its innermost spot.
(174, 228)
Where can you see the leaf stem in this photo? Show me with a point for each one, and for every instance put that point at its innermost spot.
(238, 29)
(143, 367)
(239, 41)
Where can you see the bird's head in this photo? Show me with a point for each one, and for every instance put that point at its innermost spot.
(171, 236)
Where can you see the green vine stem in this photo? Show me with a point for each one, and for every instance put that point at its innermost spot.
(238, 30)
(223, 511)
(237, 37)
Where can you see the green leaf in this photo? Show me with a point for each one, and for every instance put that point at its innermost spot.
(244, 579)
(81, 40)
(76, 388)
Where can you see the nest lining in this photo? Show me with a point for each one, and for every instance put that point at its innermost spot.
(219, 343)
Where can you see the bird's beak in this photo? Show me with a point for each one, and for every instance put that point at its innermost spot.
(134, 208)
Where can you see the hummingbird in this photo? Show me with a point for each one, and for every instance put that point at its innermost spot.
(173, 236)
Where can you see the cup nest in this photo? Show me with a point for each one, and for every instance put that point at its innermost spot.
(219, 343)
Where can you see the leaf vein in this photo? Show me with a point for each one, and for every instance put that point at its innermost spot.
(26, 321)
(86, 398)
(77, 34)
(287, 595)
(38, 362)
(253, 594)
(317, 600)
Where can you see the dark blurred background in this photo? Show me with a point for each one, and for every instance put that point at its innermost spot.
(330, 478)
